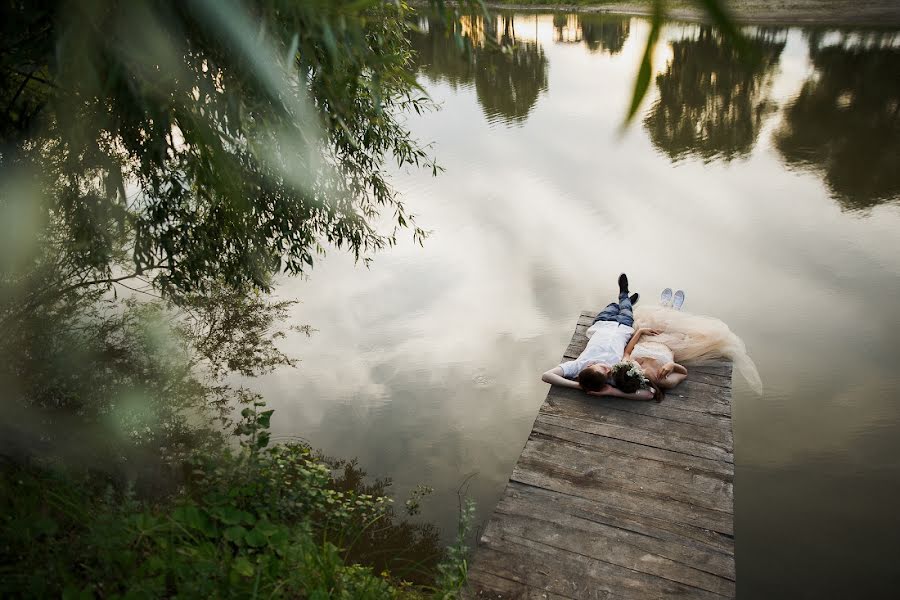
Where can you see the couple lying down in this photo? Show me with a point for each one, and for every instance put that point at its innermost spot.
(639, 363)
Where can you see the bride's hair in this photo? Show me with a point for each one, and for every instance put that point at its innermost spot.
(628, 377)
(627, 382)
(651, 373)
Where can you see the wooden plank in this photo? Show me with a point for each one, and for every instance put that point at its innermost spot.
(667, 441)
(618, 547)
(575, 575)
(654, 478)
(651, 500)
(488, 586)
(605, 446)
(618, 499)
(702, 543)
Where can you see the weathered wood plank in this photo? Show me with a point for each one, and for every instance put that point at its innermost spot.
(665, 441)
(698, 541)
(618, 499)
(630, 472)
(605, 446)
(650, 500)
(575, 575)
(616, 546)
(488, 586)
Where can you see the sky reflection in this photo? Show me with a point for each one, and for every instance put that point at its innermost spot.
(426, 366)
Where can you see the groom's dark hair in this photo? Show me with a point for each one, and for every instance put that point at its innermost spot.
(591, 380)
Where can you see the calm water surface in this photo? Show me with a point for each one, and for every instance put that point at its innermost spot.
(770, 193)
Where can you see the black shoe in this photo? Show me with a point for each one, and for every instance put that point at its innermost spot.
(634, 298)
(623, 283)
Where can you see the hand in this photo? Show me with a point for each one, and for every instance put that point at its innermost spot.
(666, 370)
(649, 331)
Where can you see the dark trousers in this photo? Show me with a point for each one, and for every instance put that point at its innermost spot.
(619, 312)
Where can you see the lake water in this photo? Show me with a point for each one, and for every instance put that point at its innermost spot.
(769, 192)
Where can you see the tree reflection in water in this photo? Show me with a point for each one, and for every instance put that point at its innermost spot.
(509, 74)
(602, 32)
(711, 100)
(598, 32)
(439, 57)
(845, 122)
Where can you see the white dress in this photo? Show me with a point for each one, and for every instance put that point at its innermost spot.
(659, 353)
(688, 337)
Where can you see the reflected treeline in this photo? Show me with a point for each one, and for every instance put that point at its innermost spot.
(845, 122)
(601, 32)
(711, 101)
(508, 73)
(598, 32)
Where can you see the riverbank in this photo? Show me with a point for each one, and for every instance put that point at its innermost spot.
(879, 13)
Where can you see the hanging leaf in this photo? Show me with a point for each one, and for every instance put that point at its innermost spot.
(722, 19)
(642, 83)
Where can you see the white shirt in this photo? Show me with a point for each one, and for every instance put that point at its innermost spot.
(606, 345)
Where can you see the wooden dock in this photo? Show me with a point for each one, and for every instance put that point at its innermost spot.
(618, 498)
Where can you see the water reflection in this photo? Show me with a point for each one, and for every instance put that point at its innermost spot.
(711, 102)
(509, 73)
(605, 33)
(439, 58)
(427, 365)
(598, 32)
(845, 122)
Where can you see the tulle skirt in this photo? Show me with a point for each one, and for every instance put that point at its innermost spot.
(696, 337)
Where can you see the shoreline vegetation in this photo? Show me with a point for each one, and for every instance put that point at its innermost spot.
(876, 13)
(161, 164)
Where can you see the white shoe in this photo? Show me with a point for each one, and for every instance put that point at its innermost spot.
(679, 300)
(665, 299)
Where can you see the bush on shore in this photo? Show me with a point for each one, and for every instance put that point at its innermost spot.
(260, 522)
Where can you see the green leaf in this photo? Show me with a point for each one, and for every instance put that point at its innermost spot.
(722, 19)
(642, 84)
(264, 418)
(242, 566)
(255, 538)
(235, 534)
(229, 515)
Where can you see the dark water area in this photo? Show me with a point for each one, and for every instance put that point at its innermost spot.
(768, 190)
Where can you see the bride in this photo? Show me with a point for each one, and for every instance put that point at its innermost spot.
(665, 336)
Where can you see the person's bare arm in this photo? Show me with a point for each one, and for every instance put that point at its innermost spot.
(672, 374)
(555, 377)
(610, 391)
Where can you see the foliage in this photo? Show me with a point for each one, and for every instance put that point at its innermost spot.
(454, 570)
(188, 151)
(202, 142)
(642, 83)
(132, 386)
(274, 521)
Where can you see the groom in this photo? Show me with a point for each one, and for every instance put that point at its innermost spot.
(608, 336)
